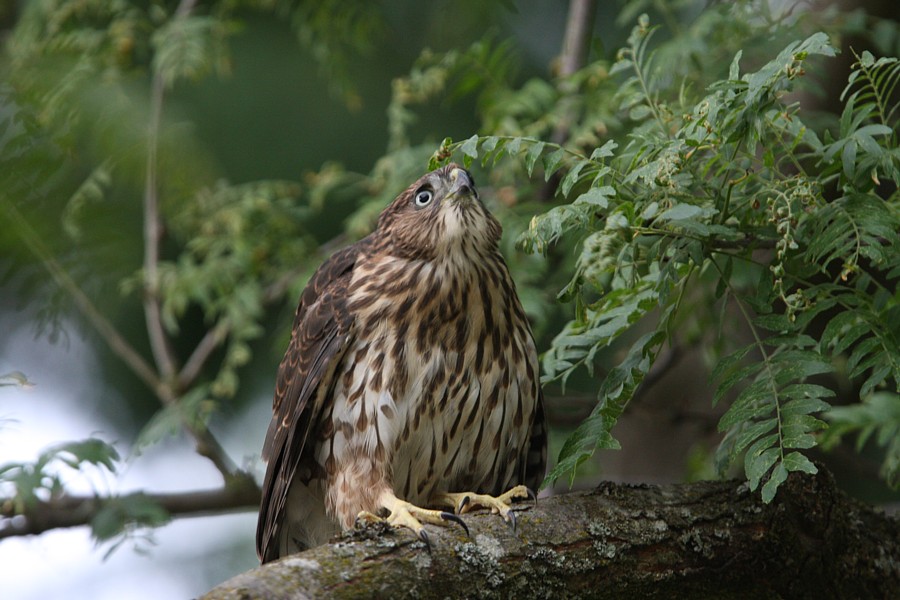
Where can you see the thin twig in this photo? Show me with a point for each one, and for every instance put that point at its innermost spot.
(161, 346)
(73, 511)
(215, 336)
(101, 324)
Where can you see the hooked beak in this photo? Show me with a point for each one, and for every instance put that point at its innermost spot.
(461, 184)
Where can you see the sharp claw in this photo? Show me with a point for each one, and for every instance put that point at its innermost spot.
(511, 520)
(451, 517)
(423, 535)
(532, 495)
(463, 504)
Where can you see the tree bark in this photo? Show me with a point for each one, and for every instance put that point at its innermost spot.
(699, 540)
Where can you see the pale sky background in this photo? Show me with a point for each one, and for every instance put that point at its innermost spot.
(190, 555)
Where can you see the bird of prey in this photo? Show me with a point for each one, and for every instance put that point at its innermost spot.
(410, 382)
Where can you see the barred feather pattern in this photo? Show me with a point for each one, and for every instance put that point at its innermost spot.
(428, 382)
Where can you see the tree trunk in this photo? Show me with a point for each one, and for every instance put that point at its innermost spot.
(699, 540)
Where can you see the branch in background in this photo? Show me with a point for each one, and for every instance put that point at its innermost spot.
(163, 353)
(160, 344)
(215, 336)
(108, 333)
(74, 511)
(576, 46)
(207, 445)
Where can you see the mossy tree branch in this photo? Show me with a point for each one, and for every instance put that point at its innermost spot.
(700, 540)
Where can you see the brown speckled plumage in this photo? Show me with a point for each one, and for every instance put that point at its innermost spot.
(411, 368)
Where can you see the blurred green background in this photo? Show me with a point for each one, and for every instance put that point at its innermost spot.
(298, 95)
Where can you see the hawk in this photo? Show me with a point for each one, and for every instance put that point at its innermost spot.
(410, 381)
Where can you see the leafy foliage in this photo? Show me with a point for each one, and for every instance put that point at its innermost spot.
(81, 112)
(680, 187)
(43, 480)
(879, 415)
(706, 195)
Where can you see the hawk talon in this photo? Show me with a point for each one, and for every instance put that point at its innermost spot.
(462, 505)
(404, 514)
(511, 520)
(462, 502)
(451, 517)
(423, 535)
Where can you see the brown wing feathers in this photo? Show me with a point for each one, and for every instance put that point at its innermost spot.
(320, 332)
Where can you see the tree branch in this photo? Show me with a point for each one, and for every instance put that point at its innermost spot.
(74, 511)
(576, 46)
(215, 336)
(101, 324)
(163, 353)
(701, 540)
(161, 346)
(207, 445)
(576, 40)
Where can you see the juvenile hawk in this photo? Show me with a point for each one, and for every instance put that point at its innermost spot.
(411, 379)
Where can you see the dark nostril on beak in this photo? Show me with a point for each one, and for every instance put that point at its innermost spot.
(464, 182)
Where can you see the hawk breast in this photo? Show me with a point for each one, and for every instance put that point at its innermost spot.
(439, 390)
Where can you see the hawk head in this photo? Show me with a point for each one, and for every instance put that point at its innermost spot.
(440, 213)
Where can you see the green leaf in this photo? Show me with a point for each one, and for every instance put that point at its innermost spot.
(532, 155)
(795, 461)
(779, 475)
(683, 212)
(597, 196)
(118, 514)
(729, 362)
(470, 151)
(470, 147)
(186, 47)
(759, 459)
(552, 163)
(796, 430)
(803, 406)
(571, 178)
(752, 432)
(604, 151)
(734, 69)
(92, 451)
(753, 402)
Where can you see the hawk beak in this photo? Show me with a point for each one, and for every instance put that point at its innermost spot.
(461, 184)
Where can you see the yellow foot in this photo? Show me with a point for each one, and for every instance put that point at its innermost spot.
(404, 514)
(462, 502)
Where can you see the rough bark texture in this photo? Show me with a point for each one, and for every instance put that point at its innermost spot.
(701, 540)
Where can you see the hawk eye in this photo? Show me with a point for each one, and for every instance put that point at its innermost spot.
(423, 198)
